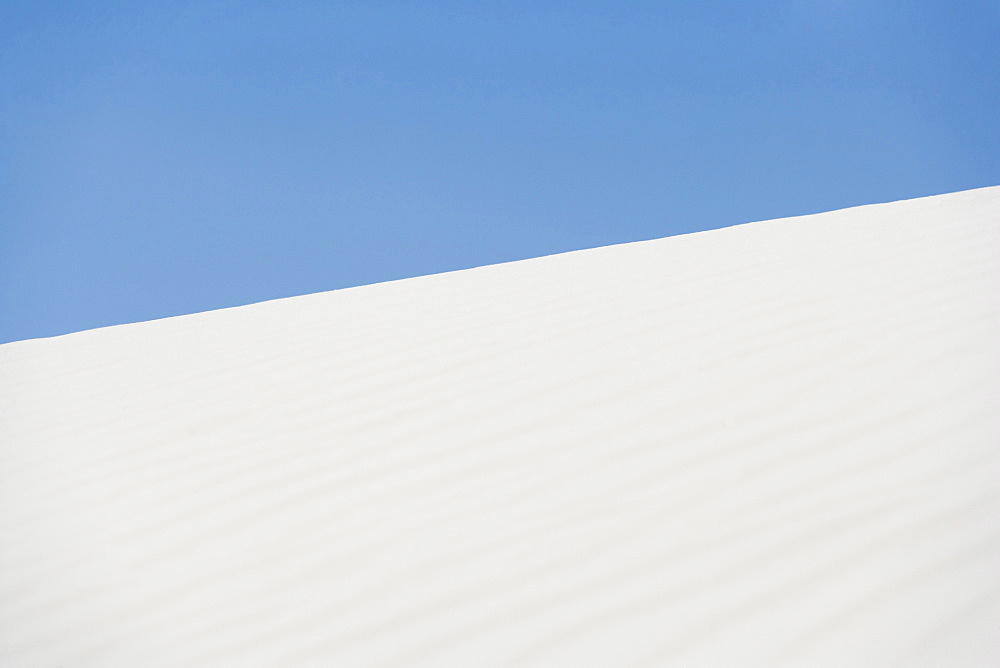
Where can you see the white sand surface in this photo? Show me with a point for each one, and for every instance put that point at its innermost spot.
(772, 444)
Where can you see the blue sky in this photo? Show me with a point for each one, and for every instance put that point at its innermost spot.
(160, 158)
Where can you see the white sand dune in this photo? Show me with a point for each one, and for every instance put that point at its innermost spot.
(777, 443)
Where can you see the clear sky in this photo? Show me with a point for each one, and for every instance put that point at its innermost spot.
(160, 158)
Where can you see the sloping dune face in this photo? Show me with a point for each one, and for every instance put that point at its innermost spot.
(777, 443)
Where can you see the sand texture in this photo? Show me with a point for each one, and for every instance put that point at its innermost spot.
(772, 444)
